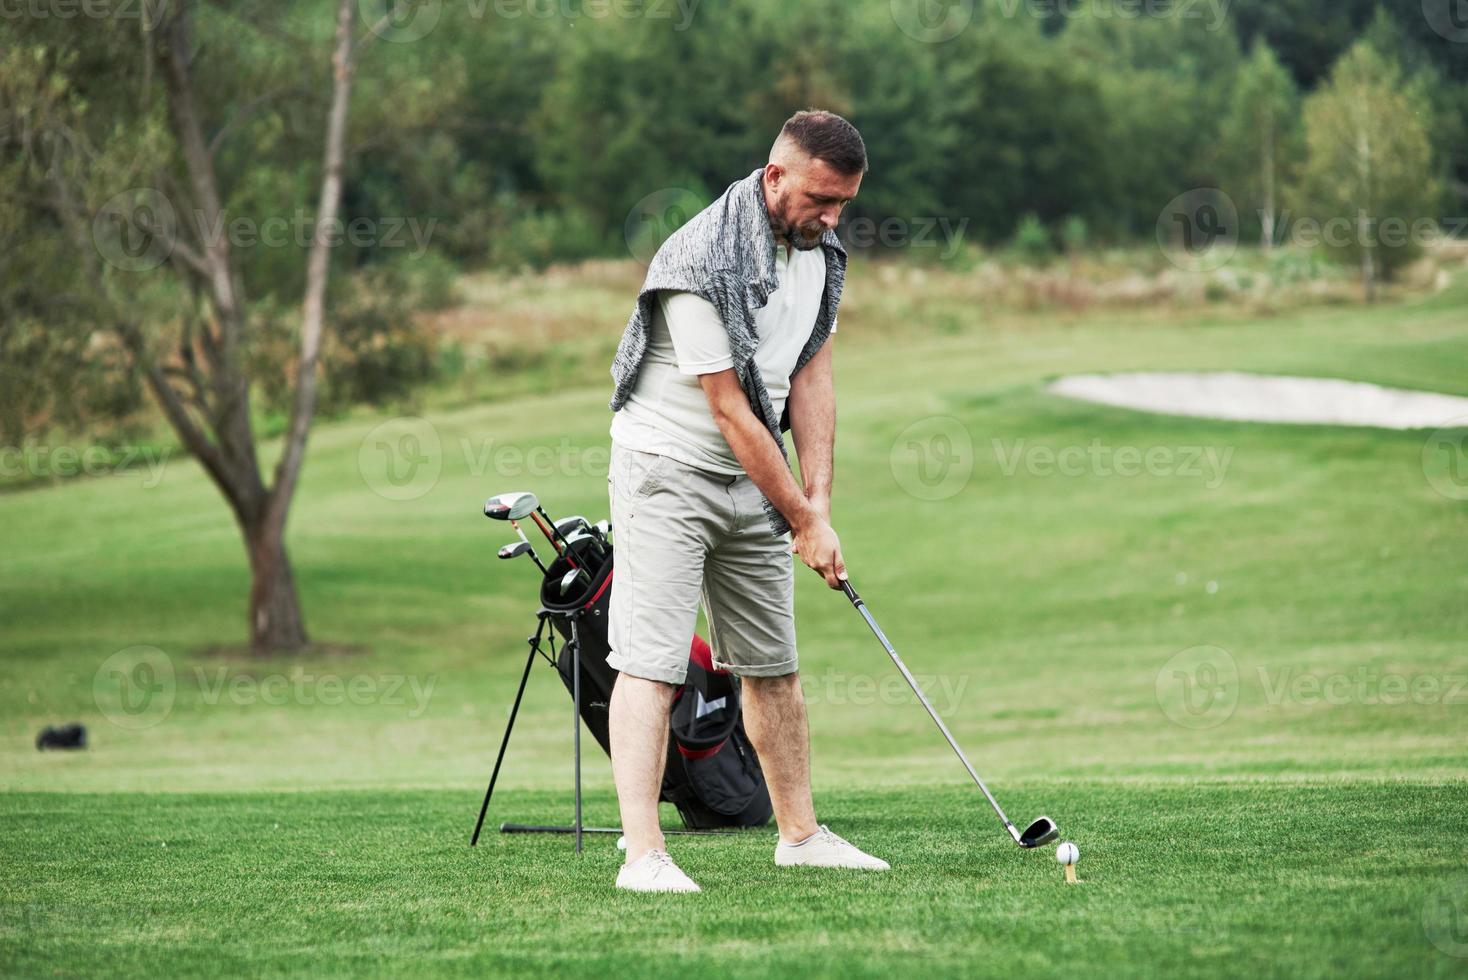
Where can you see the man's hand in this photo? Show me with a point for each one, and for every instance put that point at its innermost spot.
(816, 543)
(808, 511)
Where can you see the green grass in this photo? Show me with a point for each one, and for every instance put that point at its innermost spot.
(1299, 835)
(1276, 877)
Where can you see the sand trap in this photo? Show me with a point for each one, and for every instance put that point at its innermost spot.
(1268, 398)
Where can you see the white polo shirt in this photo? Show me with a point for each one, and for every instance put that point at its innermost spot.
(667, 412)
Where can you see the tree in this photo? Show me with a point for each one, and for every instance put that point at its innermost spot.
(187, 330)
(1261, 134)
(1163, 82)
(1369, 170)
(1425, 67)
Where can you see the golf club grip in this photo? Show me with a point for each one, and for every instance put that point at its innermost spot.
(866, 614)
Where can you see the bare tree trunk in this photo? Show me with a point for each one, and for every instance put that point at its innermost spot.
(275, 616)
(1368, 272)
(1364, 239)
(276, 624)
(1267, 218)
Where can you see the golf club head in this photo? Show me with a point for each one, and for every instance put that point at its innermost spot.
(568, 579)
(514, 549)
(1039, 833)
(510, 506)
(568, 524)
(596, 548)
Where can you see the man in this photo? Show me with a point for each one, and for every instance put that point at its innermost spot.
(732, 327)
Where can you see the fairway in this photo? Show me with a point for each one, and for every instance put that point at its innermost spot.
(1227, 658)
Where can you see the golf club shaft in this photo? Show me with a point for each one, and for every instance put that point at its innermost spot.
(555, 545)
(534, 557)
(565, 545)
(861, 607)
(548, 529)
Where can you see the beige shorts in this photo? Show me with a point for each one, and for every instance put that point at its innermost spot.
(684, 535)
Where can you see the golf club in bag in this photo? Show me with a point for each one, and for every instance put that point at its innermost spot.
(712, 775)
(1042, 830)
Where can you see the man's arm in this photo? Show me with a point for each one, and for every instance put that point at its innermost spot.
(812, 406)
(755, 448)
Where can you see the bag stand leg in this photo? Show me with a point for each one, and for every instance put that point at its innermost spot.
(534, 642)
(576, 718)
(577, 829)
(504, 743)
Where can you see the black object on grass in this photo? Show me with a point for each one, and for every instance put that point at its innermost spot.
(73, 736)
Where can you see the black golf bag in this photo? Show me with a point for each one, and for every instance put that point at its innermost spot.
(712, 775)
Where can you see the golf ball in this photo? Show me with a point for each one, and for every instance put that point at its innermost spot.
(1067, 853)
(622, 843)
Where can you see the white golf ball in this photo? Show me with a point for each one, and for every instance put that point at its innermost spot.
(1067, 853)
(622, 843)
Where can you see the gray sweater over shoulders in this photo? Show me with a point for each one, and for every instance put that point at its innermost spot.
(726, 254)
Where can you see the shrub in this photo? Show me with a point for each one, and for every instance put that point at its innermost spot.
(1031, 243)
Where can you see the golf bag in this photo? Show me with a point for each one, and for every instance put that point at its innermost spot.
(712, 774)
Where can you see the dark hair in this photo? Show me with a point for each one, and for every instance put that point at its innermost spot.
(826, 136)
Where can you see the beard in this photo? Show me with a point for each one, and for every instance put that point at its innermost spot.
(800, 239)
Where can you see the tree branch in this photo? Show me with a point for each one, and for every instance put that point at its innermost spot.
(318, 264)
(193, 438)
(245, 111)
(200, 167)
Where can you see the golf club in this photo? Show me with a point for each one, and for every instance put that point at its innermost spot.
(568, 524)
(549, 527)
(1042, 830)
(521, 547)
(576, 528)
(516, 505)
(568, 578)
(496, 509)
(597, 547)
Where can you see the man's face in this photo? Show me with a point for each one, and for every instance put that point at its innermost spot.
(805, 199)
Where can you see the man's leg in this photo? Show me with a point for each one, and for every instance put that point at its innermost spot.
(749, 594)
(658, 513)
(774, 717)
(638, 723)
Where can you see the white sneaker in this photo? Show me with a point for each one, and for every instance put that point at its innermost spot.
(654, 872)
(824, 849)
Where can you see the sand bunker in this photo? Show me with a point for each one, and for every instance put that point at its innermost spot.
(1268, 398)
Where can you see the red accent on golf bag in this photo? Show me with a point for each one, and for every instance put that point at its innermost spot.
(712, 774)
